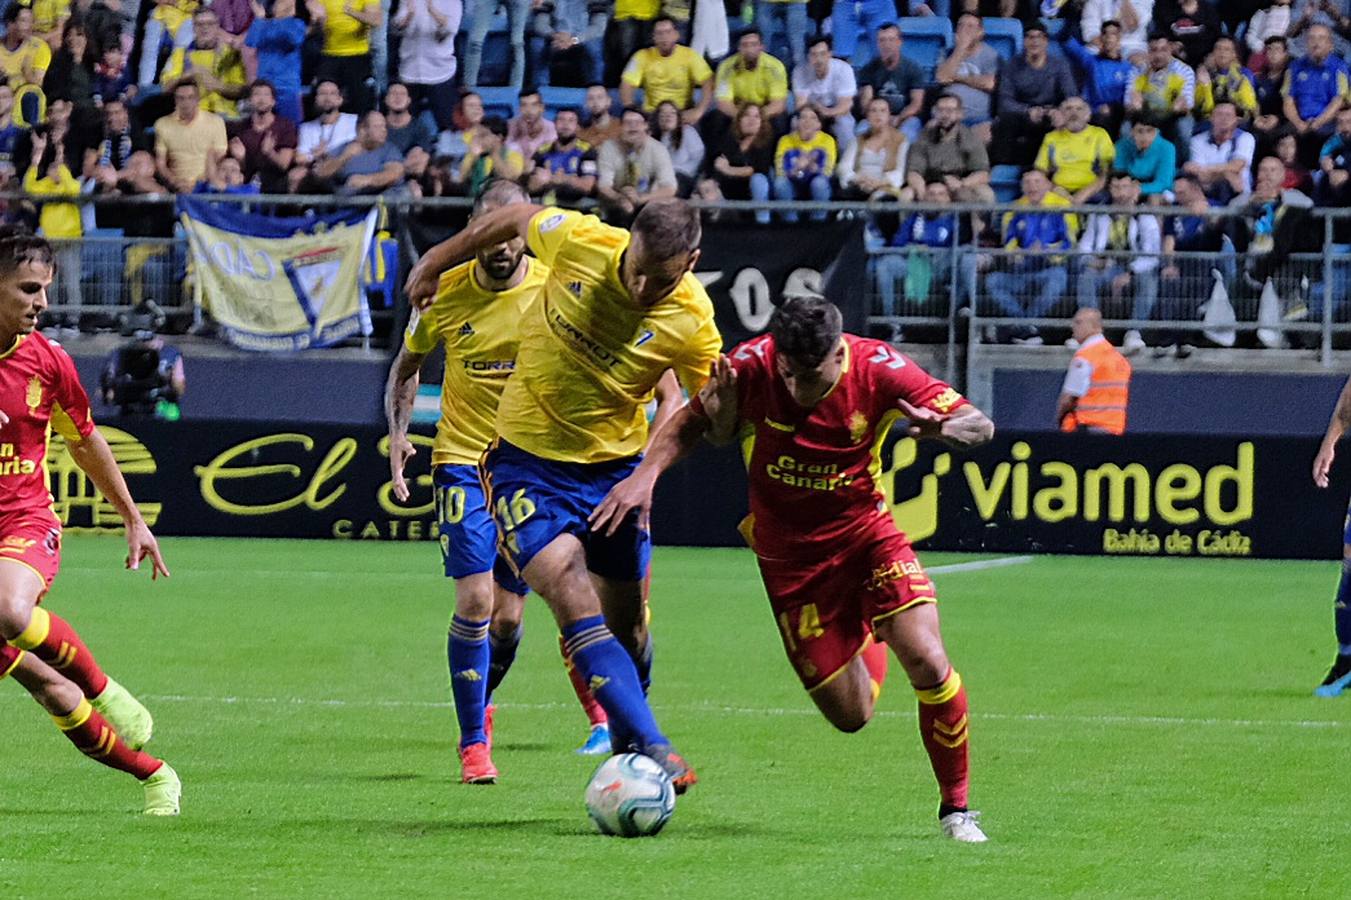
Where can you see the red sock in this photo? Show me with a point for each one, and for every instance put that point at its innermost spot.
(51, 639)
(943, 725)
(875, 659)
(595, 714)
(94, 737)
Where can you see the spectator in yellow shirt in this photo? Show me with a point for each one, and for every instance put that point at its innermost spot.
(212, 63)
(346, 57)
(752, 76)
(24, 59)
(1077, 156)
(630, 24)
(171, 17)
(49, 18)
(189, 143)
(803, 163)
(59, 221)
(670, 71)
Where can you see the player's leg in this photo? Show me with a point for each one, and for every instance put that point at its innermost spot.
(598, 724)
(541, 507)
(504, 639)
(89, 731)
(847, 700)
(467, 653)
(25, 575)
(1339, 675)
(468, 548)
(914, 636)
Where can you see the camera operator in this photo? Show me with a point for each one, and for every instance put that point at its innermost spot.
(144, 377)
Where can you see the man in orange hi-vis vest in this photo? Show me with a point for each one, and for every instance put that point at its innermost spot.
(1098, 383)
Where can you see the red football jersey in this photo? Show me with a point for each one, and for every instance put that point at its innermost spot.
(813, 472)
(39, 390)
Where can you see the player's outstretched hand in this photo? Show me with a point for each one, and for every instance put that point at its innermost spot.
(1322, 464)
(400, 451)
(141, 545)
(633, 493)
(922, 423)
(718, 397)
(421, 284)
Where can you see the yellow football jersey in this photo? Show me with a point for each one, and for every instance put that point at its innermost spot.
(481, 331)
(590, 356)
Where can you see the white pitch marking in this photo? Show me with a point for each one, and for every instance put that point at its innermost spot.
(1181, 721)
(980, 564)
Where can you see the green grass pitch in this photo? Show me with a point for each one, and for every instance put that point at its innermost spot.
(1140, 728)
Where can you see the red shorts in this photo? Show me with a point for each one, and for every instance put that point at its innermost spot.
(827, 604)
(33, 538)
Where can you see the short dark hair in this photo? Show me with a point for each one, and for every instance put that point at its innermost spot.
(1159, 36)
(659, 19)
(1118, 174)
(1190, 179)
(1219, 103)
(529, 91)
(263, 83)
(806, 328)
(567, 109)
(632, 110)
(1035, 25)
(946, 95)
(495, 124)
(755, 30)
(821, 39)
(1276, 39)
(18, 245)
(188, 82)
(1110, 23)
(670, 226)
(888, 25)
(12, 13)
(323, 81)
(499, 192)
(969, 14)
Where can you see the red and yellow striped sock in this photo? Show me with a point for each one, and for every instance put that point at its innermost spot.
(51, 639)
(95, 738)
(944, 726)
(595, 713)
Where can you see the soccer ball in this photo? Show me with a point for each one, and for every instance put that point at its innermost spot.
(630, 795)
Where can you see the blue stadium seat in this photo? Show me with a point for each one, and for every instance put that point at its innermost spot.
(1055, 29)
(927, 39)
(1006, 182)
(1005, 36)
(556, 98)
(500, 101)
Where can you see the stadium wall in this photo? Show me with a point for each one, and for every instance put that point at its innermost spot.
(1143, 495)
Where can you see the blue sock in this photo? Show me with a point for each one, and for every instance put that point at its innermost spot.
(605, 665)
(467, 648)
(501, 654)
(1342, 609)
(643, 663)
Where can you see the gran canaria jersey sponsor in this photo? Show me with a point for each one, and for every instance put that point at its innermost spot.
(481, 332)
(590, 356)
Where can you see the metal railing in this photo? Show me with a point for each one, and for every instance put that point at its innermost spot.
(935, 293)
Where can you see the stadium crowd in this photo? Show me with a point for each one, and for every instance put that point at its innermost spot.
(1046, 104)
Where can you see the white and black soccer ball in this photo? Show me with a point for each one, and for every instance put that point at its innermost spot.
(630, 796)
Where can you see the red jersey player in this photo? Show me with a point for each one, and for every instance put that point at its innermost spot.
(39, 390)
(843, 581)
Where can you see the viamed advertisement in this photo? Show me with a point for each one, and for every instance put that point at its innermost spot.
(1138, 495)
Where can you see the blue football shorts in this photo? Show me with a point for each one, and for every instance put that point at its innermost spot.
(467, 534)
(535, 500)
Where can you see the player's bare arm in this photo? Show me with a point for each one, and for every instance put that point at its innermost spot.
(669, 444)
(96, 459)
(670, 400)
(400, 392)
(1337, 426)
(483, 231)
(964, 428)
